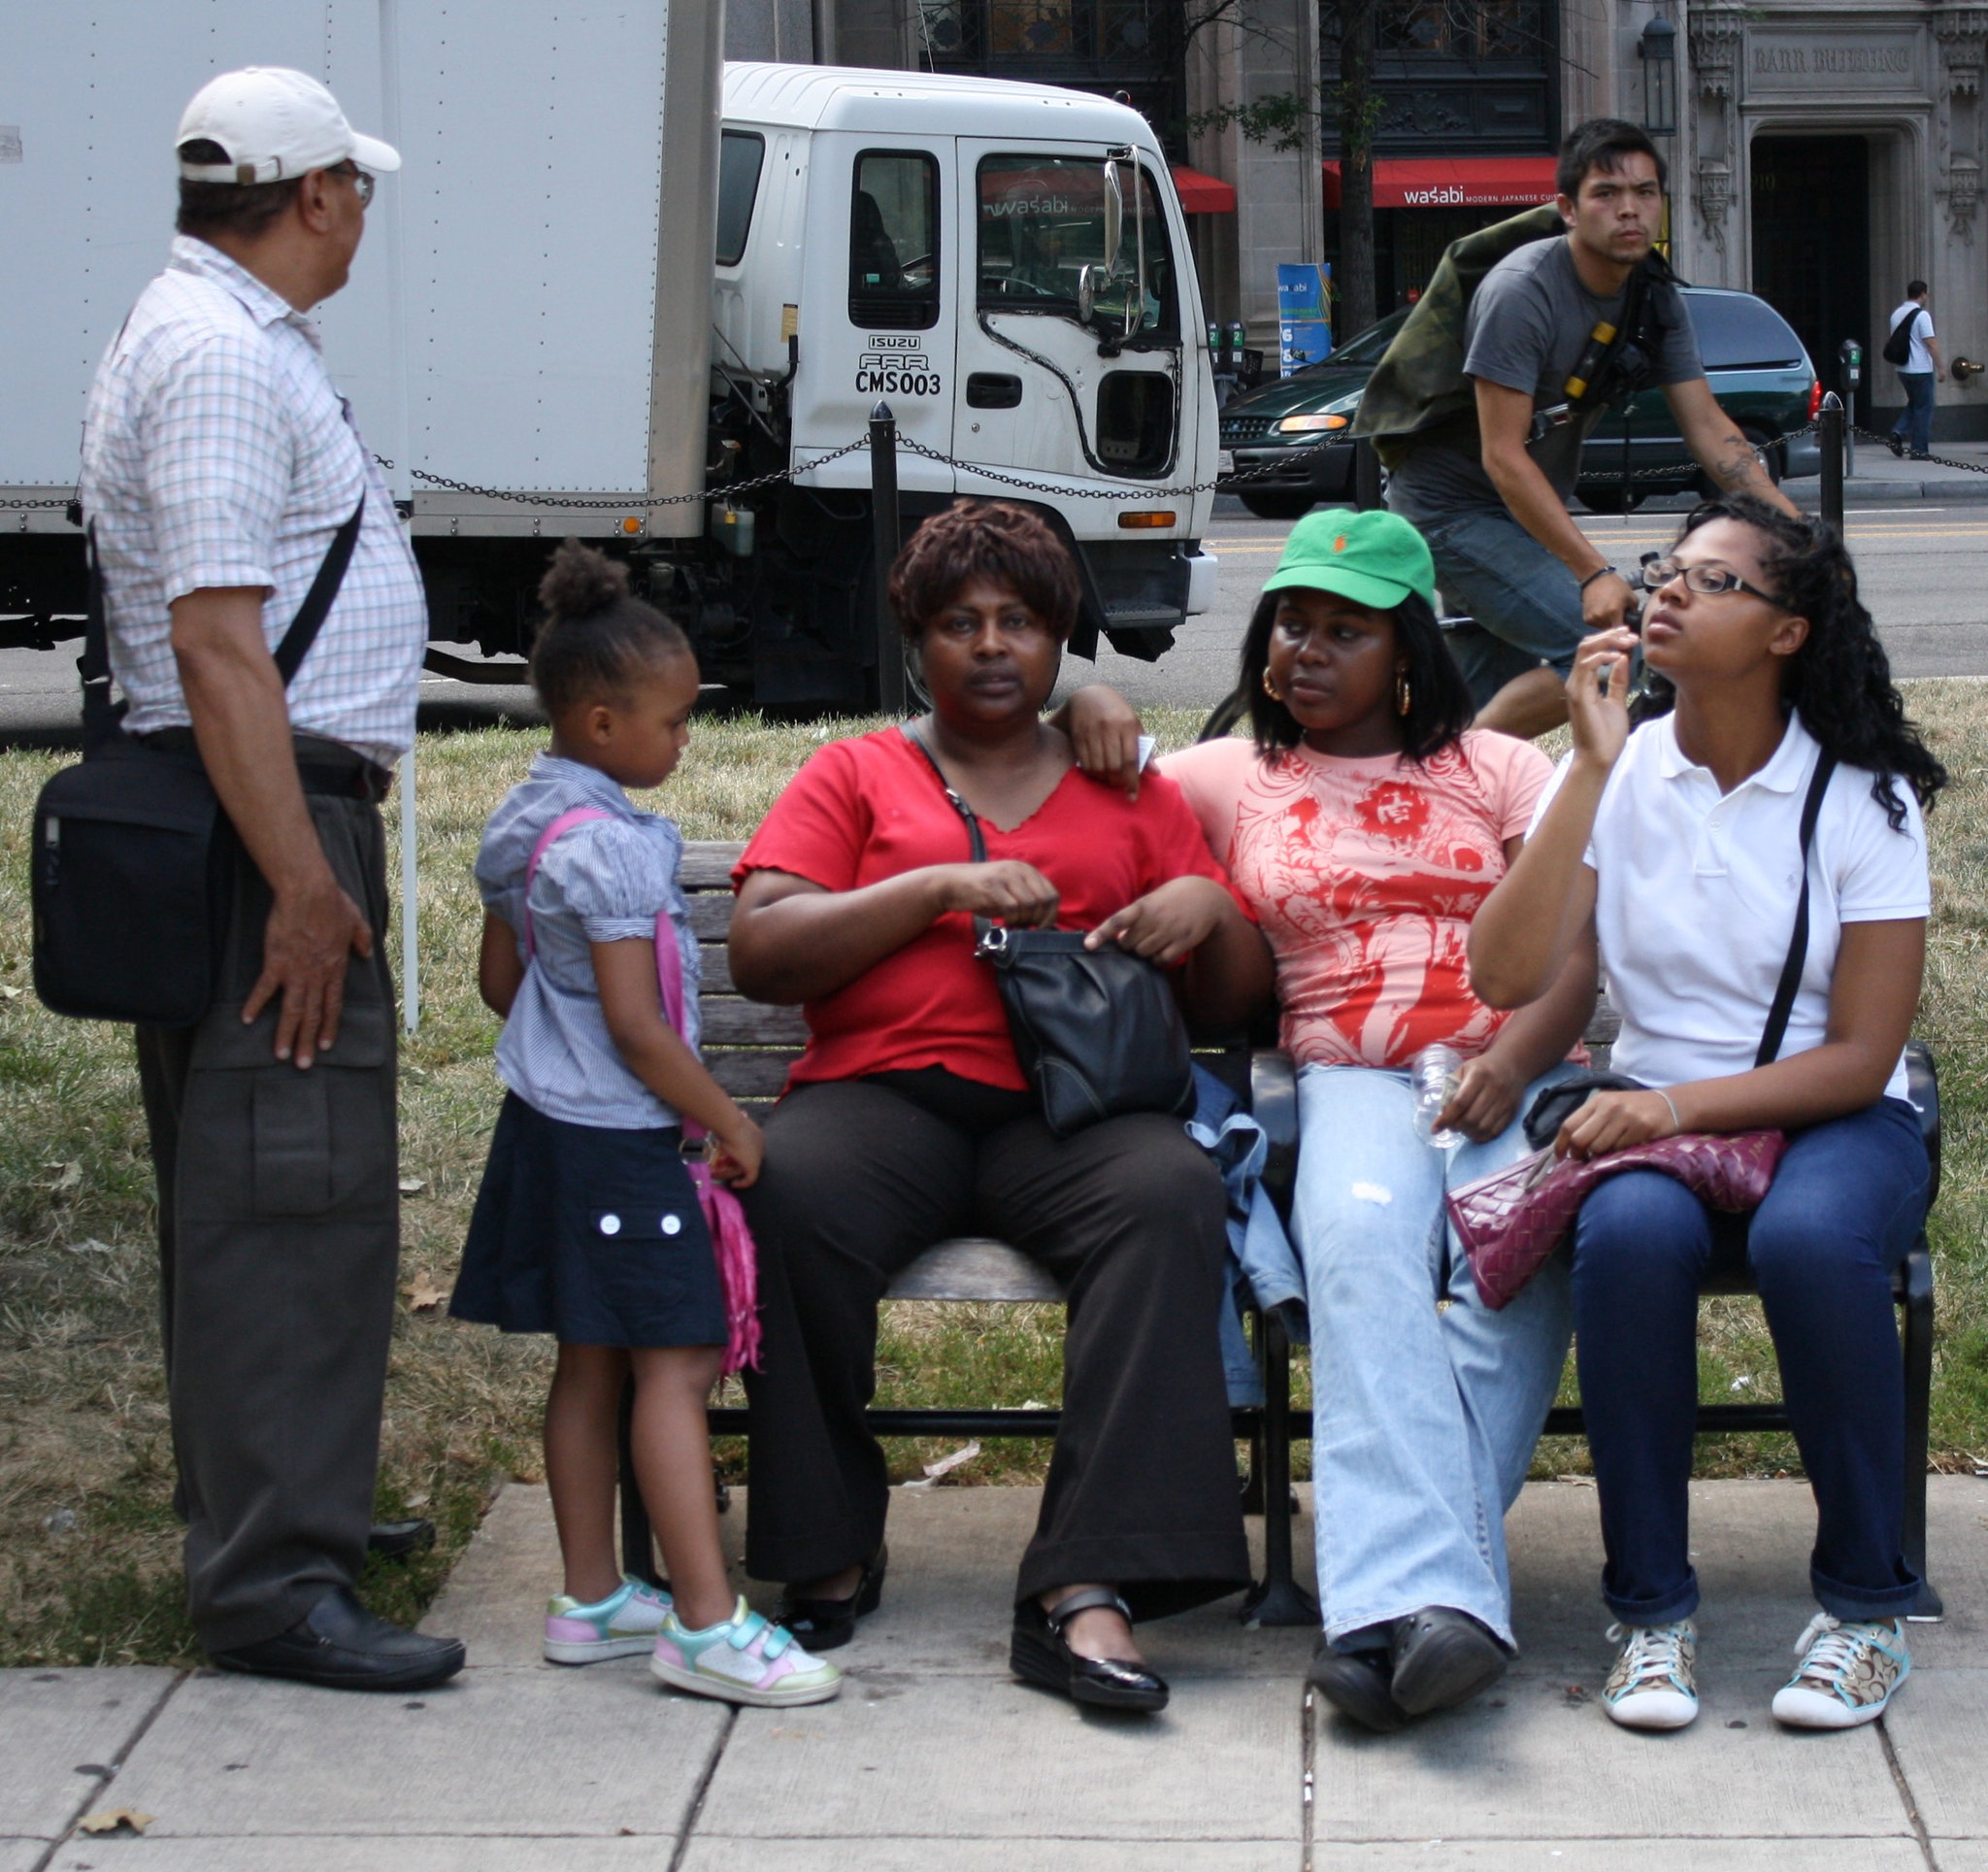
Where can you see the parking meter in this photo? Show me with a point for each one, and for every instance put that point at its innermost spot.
(1851, 355)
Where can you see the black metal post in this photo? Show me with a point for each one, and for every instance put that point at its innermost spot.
(890, 649)
(1366, 476)
(1829, 422)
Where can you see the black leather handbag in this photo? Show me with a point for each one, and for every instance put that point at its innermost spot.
(1097, 1030)
(130, 867)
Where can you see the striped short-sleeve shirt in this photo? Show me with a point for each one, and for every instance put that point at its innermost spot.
(216, 453)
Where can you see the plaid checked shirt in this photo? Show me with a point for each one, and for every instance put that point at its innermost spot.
(216, 453)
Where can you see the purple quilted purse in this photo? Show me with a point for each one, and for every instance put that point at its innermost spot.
(1510, 1221)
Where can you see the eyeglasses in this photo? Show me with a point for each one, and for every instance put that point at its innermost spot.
(361, 180)
(1708, 581)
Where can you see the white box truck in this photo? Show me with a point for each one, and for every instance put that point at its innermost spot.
(621, 290)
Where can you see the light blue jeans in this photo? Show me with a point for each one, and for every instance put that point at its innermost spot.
(1423, 1420)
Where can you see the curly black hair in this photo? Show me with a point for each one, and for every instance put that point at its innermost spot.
(1839, 681)
(598, 637)
(1439, 702)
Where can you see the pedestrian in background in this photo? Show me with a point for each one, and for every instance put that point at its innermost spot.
(221, 476)
(1922, 368)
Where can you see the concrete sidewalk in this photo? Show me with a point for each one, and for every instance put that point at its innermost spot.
(933, 1754)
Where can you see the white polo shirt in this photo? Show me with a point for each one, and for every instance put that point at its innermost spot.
(1695, 899)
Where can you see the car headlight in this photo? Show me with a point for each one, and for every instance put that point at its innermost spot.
(1304, 425)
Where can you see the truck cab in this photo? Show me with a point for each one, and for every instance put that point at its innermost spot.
(1008, 268)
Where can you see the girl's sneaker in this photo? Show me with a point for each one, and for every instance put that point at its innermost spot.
(623, 1624)
(1653, 1684)
(1847, 1676)
(744, 1660)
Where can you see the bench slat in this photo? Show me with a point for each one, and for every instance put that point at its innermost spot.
(974, 1268)
(730, 1022)
(707, 863)
(710, 914)
(751, 1075)
(716, 960)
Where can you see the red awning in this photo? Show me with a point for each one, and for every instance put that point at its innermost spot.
(1203, 195)
(1444, 182)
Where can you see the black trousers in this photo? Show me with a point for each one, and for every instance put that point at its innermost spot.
(278, 1248)
(1128, 1215)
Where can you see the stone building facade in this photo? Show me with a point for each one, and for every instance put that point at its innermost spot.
(1824, 152)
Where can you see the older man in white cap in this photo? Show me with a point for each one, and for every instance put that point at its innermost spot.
(233, 504)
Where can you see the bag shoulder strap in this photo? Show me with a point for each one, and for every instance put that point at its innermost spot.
(1798, 944)
(317, 601)
(669, 961)
(101, 716)
(959, 806)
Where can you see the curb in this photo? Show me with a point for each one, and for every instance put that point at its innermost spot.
(1973, 488)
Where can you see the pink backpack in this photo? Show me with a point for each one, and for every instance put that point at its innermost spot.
(738, 1261)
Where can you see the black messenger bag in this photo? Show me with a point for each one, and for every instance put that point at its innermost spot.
(132, 854)
(1097, 1030)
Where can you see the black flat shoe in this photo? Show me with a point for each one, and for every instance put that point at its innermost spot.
(1040, 1655)
(824, 1624)
(396, 1540)
(1357, 1683)
(1442, 1658)
(1896, 444)
(339, 1644)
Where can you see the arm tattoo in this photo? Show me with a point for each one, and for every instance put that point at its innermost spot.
(1738, 467)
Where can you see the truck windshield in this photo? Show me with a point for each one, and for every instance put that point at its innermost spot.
(1041, 221)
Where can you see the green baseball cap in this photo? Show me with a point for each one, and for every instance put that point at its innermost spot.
(1374, 558)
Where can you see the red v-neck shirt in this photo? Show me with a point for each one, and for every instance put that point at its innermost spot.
(868, 809)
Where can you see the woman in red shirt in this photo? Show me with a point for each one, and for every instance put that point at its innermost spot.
(908, 1121)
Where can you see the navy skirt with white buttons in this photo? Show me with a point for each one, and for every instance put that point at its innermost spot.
(592, 1235)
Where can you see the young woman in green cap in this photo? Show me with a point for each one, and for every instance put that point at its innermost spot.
(1365, 822)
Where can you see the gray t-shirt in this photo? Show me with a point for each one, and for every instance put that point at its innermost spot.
(1526, 325)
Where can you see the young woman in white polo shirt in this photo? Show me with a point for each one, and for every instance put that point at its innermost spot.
(1676, 851)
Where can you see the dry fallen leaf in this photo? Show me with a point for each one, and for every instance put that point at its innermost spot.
(13, 995)
(413, 1186)
(67, 1176)
(113, 1817)
(422, 1293)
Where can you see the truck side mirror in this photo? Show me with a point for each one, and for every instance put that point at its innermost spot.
(1114, 217)
(1087, 277)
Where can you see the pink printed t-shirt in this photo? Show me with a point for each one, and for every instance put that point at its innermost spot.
(1365, 875)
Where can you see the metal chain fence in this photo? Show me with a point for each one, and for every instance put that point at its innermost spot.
(1219, 483)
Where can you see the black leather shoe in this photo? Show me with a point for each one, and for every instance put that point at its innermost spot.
(396, 1540)
(1442, 1658)
(339, 1645)
(825, 1625)
(1896, 443)
(1040, 1654)
(1357, 1683)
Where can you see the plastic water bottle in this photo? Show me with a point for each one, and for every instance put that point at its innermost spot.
(1433, 1076)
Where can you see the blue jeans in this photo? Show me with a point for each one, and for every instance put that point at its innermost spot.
(1915, 419)
(1843, 1211)
(1423, 1421)
(1524, 604)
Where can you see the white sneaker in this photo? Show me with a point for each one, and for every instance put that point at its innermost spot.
(744, 1660)
(1847, 1676)
(1653, 1684)
(623, 1624)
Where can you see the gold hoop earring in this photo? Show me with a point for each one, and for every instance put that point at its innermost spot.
(1403, 694)
(1270, 688)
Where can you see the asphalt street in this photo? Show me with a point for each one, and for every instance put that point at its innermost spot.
(1924, 569)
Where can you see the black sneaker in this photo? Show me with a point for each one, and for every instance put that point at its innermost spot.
(1443, 1657)
(1896, 443)
(1356, 1684)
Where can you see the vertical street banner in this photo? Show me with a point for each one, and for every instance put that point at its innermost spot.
(1303, 321)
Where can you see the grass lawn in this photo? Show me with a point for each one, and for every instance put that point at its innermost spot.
(88, 1546)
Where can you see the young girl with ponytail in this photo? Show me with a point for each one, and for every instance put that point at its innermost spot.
(588, 1224)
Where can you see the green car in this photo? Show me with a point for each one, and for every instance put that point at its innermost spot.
(1753, 360)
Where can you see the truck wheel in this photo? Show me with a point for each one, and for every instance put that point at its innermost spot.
(1278, 507)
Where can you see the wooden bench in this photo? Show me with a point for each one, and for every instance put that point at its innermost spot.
(749, 1048)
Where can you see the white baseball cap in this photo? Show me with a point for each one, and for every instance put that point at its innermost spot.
(274, 123)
